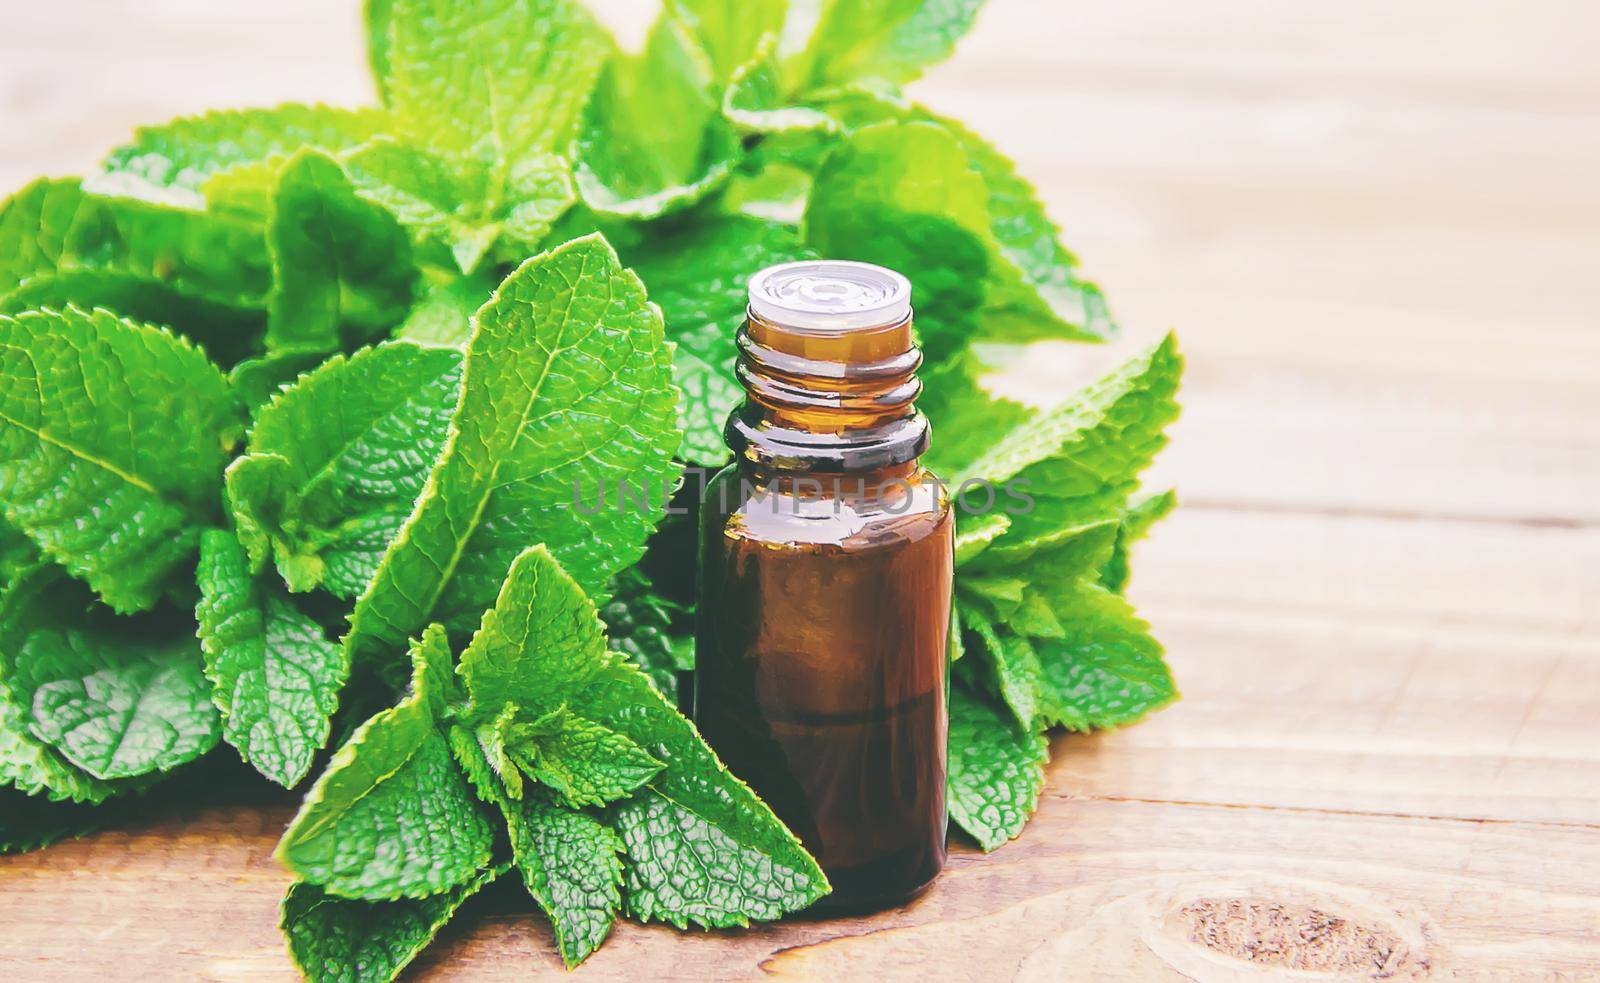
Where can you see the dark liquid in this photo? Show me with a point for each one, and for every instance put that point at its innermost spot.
(821, 682)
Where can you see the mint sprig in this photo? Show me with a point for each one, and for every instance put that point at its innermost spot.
(310, 409)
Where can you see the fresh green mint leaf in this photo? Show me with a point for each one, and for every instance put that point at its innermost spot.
(1033, 288)
(567, 391)
(730, 32)
(701, 847)
(17, 555)
(337, 460)
(975, 533)
(1107, 670)
(639, 626)
(112, 438)
(967, 419)
(393, 816)
(1083, 459)
(1136, 522)
(340, 940)
(755, 100)
(53, 226)
(1013, 665)
(697, 273)
(882, 40)
(903, 195)
(488, 80)
(27, 763)
(277, 676)
(654, 139)
(170, 163)
(571, 865)
(582, 762)
(339, 261)
(442, 315)
(225, 333)
(464, 210)
(116, 697)
(255, 381)
(1042, 295)
(996, 769)
(538, 646)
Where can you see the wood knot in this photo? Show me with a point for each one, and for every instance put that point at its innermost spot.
(1298, 937)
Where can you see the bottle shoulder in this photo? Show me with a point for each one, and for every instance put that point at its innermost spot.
(825, 514)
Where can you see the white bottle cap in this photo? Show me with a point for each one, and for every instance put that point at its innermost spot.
(830, 295)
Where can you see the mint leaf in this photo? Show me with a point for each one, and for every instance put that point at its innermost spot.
(570, 864)
(996, 770)
(17, 555)
(756, 100)
(227, 334)
(888, 40)
(730, 31)
(491, 80)
(967, 420)
(338, 259)
(903, 195)
(567, 391)
(339, 940)
(582, 762)
(117, 697)
(701, 847)
(1013, 665)
(28, 763)
(654, 139)
(170, 163)
(1136, 522)
(53, 226)
(336, 461)
(29, 823)
(1082, 459)
(277, 677)
(465, 210)
(256, 380)
(1033, 288)
(639, 626)
(112, 437)
(393, 816)
(442, 315)
(1048, 299)
(698, 273)
(1107, 670)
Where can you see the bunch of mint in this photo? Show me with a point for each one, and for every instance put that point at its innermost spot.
(293, 402)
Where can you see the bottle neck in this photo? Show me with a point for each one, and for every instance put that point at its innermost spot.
(827, 402)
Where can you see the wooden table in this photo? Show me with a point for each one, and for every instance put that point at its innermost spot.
(1377, 229)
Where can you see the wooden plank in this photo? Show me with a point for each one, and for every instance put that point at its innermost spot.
(1095, 889)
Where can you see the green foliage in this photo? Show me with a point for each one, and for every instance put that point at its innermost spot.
(172, 163)
(304, 371)
(354, 941)
(337, 258)
(277, 677)
(336, 460)
(654, 140)
(113, 697)
(112, 438)
(392, 816)
(567, 358)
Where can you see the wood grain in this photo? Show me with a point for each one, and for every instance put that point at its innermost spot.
(1375, 227)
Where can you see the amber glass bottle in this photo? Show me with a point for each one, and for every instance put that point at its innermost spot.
(826, 559)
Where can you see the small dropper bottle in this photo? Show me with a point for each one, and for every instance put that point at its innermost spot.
(826, 558)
